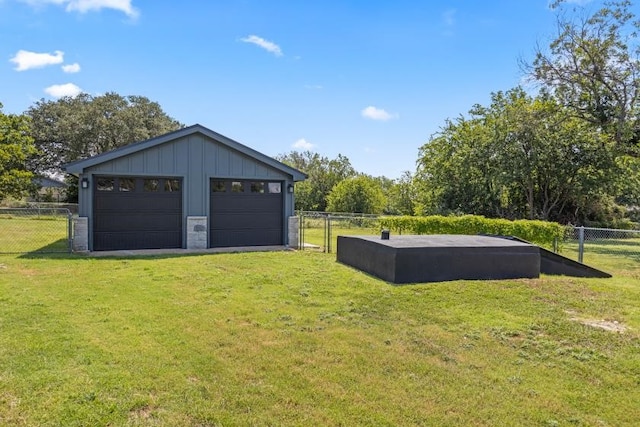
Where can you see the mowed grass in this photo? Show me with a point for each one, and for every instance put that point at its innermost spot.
(46, 233)
(294, 338)
(607, 254)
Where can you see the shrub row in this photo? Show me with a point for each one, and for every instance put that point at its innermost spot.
(542, 233)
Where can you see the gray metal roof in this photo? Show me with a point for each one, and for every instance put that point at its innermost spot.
(78, 166)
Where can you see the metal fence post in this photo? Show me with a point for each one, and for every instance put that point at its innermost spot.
(580, 243)
(328, 234)
(70, 231)
(324, 235)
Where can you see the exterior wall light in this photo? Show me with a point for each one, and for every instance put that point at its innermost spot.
(84, 183)
(290, 188)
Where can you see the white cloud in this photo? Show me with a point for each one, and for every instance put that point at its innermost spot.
(303, 144)
(374, 113)
(26, 60)
(84, 6)
(71, 68)
(316, 87)
(448, 17)
(59, 91)
(265, 44)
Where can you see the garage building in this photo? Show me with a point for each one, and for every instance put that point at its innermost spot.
(192, 188)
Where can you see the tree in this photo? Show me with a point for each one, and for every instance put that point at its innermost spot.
(323, 175)
(593, 68)
(16, 146)
(360, 194)
(74, 128)
(628, 186)
(520, 157)
(455, 171)
(399, 194)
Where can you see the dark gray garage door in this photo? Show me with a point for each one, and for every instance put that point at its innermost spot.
(137, 213)
(245, 213)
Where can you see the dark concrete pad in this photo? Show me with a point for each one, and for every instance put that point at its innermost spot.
(559, 265)
(436, 258)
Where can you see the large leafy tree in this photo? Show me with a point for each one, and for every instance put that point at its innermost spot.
(593, 68)
(360, 194)
(455, 172)
(323, 174)
(16, 146)
(520, 157)
(399, 194)
(74, 128)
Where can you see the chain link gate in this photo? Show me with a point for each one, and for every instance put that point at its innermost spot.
(35, 230)
(320, 230)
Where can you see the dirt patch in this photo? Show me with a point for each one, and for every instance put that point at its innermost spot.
(607, 325)
(143, 413)
(603, 324)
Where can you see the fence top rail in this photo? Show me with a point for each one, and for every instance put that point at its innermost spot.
(35, 211)
(337, 214)
(350, 218)
(606, 229)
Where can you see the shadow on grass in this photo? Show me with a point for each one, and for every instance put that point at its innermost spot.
(42, 253)
(632, 255)
(56, 248)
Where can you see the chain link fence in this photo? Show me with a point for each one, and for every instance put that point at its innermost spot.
(602, 247)
(320, 230)
(29, 204)
(46, 229)
(37, 229)
(597, 247)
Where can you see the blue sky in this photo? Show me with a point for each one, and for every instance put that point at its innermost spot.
(371, 80)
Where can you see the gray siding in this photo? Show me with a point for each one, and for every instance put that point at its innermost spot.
(195, 158)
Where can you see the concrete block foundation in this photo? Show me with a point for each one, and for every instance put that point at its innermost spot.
(80, 234)
(294, 232)
(197, 232)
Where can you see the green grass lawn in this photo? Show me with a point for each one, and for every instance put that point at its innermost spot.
(46, 233)
(294, 338)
